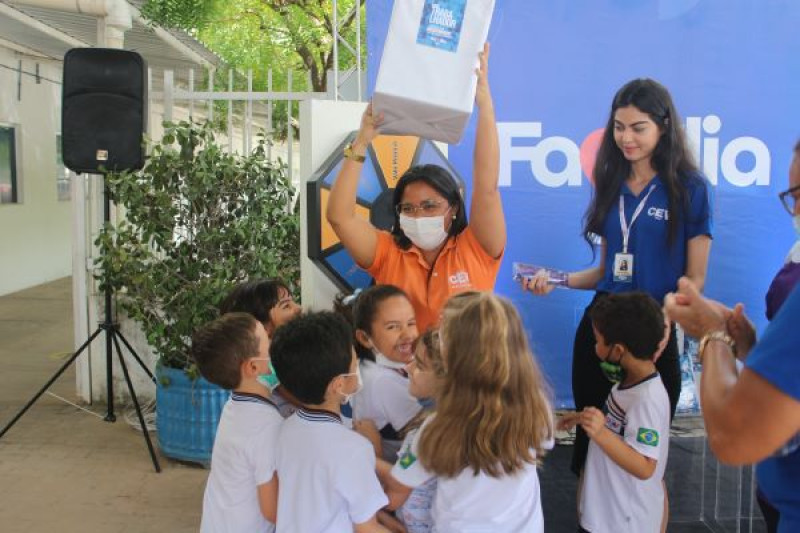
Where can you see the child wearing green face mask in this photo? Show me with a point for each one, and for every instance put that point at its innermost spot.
(270, 302)
(242, 490)
(622, 487)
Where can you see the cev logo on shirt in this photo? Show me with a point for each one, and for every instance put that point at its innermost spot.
(658, 213)
(459, 280)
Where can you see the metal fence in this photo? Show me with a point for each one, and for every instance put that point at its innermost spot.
(240, 112)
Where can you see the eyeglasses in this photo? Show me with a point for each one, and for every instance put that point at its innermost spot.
(427, 208)
(789, 198)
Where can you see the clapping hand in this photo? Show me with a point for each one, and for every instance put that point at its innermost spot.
(742, 330)
(696, 314)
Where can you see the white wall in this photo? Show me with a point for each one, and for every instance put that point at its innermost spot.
(324, 124)
(35, 234)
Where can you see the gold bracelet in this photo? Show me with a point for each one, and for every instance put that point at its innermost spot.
(718, 335)
(350, 154)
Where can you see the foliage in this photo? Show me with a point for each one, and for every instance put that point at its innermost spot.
(185, 14)
(198, 220)
(264, 34)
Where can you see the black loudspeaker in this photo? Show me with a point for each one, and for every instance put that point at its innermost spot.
(103, 113)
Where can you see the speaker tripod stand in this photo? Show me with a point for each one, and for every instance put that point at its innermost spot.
(113, 337)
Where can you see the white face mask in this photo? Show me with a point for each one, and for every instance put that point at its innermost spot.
(427, 233)
(347, 397)
(796, 220)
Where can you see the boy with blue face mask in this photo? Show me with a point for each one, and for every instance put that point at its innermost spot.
(327, 471)
(242, 490)
(622, 480)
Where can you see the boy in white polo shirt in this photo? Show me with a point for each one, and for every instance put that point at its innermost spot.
(242, 489)
(623, 478)
(327, 471)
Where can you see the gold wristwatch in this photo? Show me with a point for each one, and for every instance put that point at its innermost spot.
(718, 335)
(350, 154)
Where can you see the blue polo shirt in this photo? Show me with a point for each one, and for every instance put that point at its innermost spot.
(776, 359)
(656, 266)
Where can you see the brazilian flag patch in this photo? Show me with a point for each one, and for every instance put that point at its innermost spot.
(647, 436)
(407, 459)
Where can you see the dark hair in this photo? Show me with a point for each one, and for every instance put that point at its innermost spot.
(310, 351)
(633, 319)
(671, 159)
(445, 184)
(256, 297)
(221, 346)
(361, 312)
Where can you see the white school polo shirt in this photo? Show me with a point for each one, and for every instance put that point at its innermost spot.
(468, 503)
(242, 459)
(327, 475)
(385, 400)
(613, 500)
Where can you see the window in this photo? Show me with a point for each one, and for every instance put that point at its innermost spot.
(62, 174)
(8, 166)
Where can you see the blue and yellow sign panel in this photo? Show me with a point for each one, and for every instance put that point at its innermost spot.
(388, 158)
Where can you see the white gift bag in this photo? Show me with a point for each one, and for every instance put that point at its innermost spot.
(426, 81)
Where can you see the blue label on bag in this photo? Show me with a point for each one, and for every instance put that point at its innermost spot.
(440, 26)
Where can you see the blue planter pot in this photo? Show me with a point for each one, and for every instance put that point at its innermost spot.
(187, 415)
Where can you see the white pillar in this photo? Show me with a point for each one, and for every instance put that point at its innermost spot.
(325, 124)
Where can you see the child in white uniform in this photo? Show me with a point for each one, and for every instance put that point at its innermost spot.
(385, 332)
(426, 374)
(327, 471)
(492, 424)
(623, 488)
(242, 490)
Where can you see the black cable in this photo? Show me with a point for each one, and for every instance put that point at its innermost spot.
(31, 74)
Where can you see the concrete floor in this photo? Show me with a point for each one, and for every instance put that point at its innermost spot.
(62, 469)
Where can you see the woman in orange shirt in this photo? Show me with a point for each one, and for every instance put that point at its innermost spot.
(431, 252)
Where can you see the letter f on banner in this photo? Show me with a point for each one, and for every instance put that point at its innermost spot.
(537, 155)
(506, 133)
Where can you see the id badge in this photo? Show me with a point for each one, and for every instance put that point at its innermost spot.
(623, 268)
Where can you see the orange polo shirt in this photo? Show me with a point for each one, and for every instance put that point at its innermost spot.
(462, 265)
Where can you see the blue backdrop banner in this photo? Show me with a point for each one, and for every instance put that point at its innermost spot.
(732, 68)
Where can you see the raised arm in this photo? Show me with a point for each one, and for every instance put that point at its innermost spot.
(488, 223)
(358, 236)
